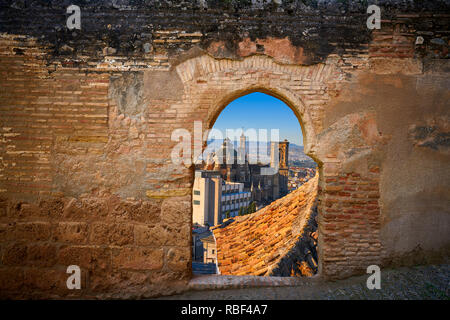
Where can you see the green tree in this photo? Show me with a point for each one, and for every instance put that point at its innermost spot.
(241, 211)
(252, 207)
(227, 214)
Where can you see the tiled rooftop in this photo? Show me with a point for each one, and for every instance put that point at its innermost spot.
(255, 244)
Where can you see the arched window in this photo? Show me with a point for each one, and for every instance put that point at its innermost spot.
(255, 153)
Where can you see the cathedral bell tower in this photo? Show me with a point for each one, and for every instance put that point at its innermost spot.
(283, 165)
(242, 154)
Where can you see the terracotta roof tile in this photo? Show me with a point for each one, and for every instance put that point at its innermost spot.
(255, 244)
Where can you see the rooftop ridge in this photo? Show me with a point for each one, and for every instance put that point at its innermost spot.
(255, 244)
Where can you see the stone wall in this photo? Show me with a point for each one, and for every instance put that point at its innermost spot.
(86, 118)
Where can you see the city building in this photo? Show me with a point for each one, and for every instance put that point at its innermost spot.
(209, 249)
(213, 198)
(234, 198)
(206, 198)
(234, 166)
(198, 233)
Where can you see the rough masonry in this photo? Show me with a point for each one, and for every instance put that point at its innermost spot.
(86, 118)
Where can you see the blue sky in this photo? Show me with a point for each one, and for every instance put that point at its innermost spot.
(261, 111)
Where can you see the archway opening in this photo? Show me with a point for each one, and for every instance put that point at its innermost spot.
(254, 193)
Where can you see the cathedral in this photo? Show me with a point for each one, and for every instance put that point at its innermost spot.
(234, 166)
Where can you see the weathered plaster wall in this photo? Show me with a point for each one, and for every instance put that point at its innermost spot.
(407, 126)
(86, 119)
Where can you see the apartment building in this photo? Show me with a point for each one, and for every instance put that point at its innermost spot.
(233, 198)
(212, 198)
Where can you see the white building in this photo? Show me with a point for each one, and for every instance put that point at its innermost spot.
(213, 197)
(206, 195)
(233, 198)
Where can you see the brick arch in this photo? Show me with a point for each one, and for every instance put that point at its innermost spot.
(211, 84)
(347, 196)
(303, 117)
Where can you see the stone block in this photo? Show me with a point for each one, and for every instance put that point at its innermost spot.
(11, 279)
(167, 193)
(33, 231)
(138, 258)
(70, 232)
(41, 255)
(179, 259)
(14, 254)
(111, 234)
(86, 257)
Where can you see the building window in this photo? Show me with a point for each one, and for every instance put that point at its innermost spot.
(197, 192)
(196, 202)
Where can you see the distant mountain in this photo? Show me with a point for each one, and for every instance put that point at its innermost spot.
(296, 152)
